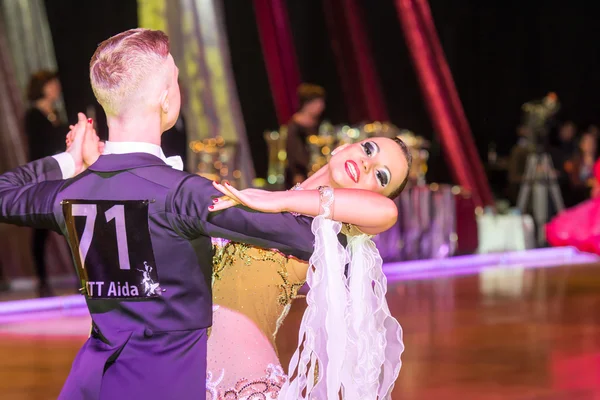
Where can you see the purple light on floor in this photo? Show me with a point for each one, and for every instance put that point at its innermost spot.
(558, 255)
(43, 304)
(403, 276)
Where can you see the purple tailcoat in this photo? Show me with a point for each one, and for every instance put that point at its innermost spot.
(151, 348)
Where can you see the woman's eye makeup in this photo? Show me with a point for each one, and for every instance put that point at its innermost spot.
(369, 148)
(383, 177)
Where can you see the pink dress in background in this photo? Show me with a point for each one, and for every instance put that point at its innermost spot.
(579, 226)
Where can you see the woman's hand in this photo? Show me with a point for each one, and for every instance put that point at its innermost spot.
(75, 147)
(92, 146)
(259, 200)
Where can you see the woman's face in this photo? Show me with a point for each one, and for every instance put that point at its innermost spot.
(588, 143)
(315, 107)
(52, 90)
(376, 164)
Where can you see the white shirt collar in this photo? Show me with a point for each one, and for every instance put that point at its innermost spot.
(141, 147)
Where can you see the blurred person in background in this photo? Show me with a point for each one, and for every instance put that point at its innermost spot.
(303, 124)
(580, 169)
(567, 143)
(46, 137)
(563, 151)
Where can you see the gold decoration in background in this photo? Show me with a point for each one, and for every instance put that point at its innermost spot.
(277, 156)
(215, 160)
(320, 149)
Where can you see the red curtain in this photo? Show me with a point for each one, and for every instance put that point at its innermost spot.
(442, 98)
(279, 54)
(354, 61)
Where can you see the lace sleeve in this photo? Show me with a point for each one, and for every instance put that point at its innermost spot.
(325, 201)
(296, 187)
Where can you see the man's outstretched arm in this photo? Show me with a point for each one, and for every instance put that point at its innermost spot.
(283, 231)
(27, 193)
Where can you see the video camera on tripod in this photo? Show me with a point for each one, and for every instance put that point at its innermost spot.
(539, 181)
(537, 116)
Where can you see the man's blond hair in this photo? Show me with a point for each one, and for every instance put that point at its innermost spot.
(123, 64)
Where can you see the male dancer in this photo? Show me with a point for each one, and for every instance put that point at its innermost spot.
(139, 231)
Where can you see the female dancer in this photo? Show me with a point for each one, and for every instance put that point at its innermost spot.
(253, 288)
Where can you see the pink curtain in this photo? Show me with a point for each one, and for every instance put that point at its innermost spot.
(279, 54)
(354, 61)
(442, 99)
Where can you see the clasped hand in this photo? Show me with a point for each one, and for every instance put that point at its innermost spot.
(83, 143)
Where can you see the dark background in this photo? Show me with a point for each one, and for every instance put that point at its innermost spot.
(501, 53)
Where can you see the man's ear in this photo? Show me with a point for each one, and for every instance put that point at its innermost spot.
(164, 101)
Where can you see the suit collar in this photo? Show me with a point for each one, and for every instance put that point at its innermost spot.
(121, 162)
(136, 150)
(133, 147)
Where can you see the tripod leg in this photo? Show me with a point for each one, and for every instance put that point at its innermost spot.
(528, 179)
(553, 184)
(557, 196)
(545, 189)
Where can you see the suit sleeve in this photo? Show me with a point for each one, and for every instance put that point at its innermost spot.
(283, 231)
(28, 193)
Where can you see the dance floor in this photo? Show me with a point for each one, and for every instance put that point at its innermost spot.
(505, 327)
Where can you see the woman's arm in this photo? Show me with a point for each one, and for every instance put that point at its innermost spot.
(370, 212)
